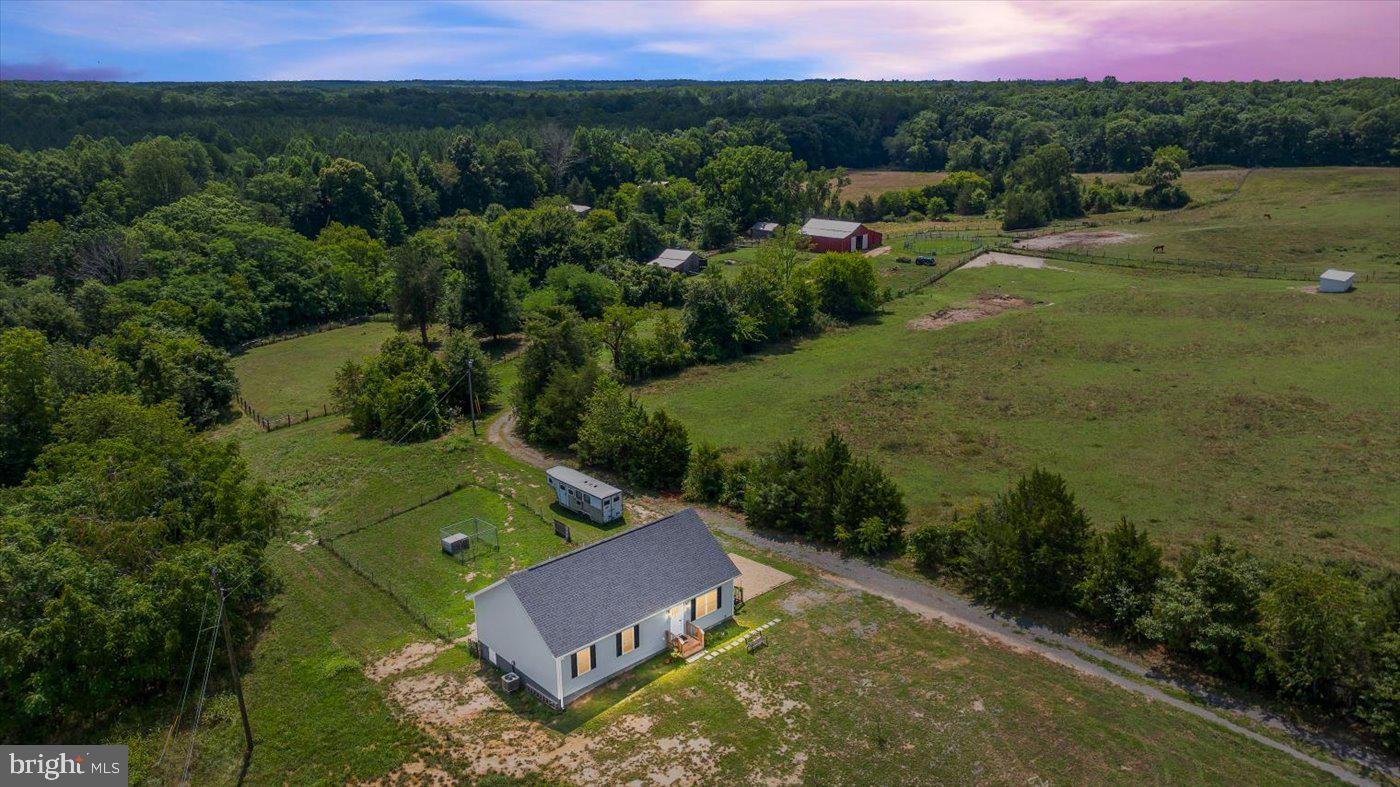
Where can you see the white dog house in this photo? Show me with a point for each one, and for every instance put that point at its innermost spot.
(1333, 280)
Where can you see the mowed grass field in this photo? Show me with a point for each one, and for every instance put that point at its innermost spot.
(301, 366)
(1336, 217)
(1192, 405)
(347, 681)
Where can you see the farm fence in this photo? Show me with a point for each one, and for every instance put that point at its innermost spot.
(271, 423)
(1283, 272)
(295, 333)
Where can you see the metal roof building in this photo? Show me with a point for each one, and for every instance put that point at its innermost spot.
(1333, 280)
(681, 260)
(839, 235)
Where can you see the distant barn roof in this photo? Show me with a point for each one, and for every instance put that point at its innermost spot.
(579, 209)
(672, 258)
(830, 228)
(765, 226)
(598, 589)
(582, 481)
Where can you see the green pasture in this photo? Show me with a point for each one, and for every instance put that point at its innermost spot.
(1193, 405)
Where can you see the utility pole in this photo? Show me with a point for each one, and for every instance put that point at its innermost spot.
(237, 680)
(471, 394)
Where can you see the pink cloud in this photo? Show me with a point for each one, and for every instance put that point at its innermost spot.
(53, 70)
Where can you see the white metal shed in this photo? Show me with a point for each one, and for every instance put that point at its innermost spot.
(1333, 280)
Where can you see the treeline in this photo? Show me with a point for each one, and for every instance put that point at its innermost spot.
(107, 544)
(1317, 633)
(1106, 125)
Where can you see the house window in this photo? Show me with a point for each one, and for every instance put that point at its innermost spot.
(627, 640)
(583, 661)
(706, 603)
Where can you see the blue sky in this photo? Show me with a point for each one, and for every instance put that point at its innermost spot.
(704, 39)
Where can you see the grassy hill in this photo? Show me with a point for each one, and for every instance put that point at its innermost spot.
(354, 678)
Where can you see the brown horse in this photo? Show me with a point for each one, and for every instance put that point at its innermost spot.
(1160, 249)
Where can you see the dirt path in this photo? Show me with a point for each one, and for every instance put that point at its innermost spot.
(1019, 634)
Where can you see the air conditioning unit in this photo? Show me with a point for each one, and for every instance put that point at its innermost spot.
(510, 682)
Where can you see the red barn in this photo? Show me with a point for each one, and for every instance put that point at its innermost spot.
(836, 235)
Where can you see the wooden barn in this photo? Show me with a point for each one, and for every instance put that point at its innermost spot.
(679, 260)
(837, 235)
(763, 229)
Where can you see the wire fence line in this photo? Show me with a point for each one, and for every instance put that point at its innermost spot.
(275, 422)
(296, 333)
(1280, 271)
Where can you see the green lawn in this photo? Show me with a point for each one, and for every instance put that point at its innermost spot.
(304, 368)
(1192, 405)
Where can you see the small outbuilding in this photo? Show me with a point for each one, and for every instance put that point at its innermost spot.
(837, 235)
(585, 494)
(763, 229)
(581, 210)
(679, 261)
(1333, 280)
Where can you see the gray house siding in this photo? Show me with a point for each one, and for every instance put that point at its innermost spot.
(504, 628)
(651, 641)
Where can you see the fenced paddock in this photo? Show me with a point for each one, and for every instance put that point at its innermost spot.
(482, 536)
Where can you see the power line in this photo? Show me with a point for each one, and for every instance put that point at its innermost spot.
(427, 409)
(203, 690)
(189, 673)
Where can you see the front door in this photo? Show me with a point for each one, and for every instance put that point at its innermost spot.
(678, 620)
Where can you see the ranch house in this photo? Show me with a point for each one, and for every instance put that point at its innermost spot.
(570, 623)
(835, 235)
(679, 260)
(585, 494)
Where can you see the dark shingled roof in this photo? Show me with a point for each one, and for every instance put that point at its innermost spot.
(595, 590)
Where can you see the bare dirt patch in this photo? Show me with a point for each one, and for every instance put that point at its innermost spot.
(417, 773)
(756, 578)
(982, 308)
(762, 704)
(1011, 261)
(876, 252)
(410, 657)
(804, 600)
(1060, 240)
(478, 731)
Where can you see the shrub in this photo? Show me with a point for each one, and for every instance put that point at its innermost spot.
(1121, 573)
(1314, 628)
(461, 348)
(1211, 609)
(704, 477)
(1028, 545)
(736, 476)
(661, 454)
(871, 537)
(846, 284)
(611, 426)
(1379, 702)
(936, 545)
(397, 394)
